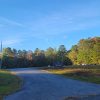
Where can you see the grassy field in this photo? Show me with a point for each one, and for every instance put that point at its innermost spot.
(9, 83)
(83, 73)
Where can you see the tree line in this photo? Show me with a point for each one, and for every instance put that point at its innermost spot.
(22, 58)
(87, 51)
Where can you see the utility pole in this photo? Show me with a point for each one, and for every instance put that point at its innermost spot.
(1, 56)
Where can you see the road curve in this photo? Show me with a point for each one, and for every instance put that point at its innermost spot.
(41, 85)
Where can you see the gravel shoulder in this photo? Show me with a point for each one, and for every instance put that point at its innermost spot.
(41, 85)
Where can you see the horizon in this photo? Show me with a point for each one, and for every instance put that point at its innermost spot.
(46, 48)
(32, 24)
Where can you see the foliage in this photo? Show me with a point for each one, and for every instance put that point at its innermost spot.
(87, 51)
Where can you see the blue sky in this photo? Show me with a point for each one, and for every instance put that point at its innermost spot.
(28, 24)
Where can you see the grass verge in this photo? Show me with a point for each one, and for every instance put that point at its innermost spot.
(87, 73)
(9, 83)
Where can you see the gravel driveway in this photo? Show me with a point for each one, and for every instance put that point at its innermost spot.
(41, 85)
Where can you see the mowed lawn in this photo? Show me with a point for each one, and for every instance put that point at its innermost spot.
(9, 83)
(83, 73)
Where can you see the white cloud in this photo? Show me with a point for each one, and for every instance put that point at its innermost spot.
(10, 42)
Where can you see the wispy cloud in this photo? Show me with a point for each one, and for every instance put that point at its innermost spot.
(11, 22)
(10, 42)
(56, 23)
(65, 22)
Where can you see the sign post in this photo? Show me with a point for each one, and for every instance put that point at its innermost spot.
(1, 56)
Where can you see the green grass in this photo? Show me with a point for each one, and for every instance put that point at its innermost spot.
(83, 73)
(9, 83)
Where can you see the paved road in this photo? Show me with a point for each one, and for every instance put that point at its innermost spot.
(41, 85)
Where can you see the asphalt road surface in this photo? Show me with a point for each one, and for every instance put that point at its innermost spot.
(41, 85)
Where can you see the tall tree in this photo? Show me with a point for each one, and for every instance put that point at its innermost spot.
(51, 54)
(72, 54)
(62, 52)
